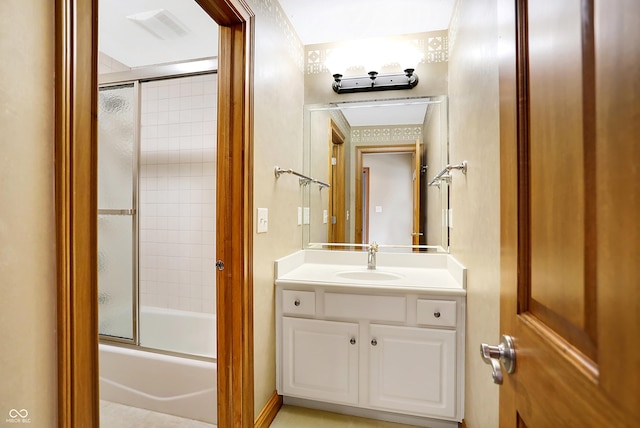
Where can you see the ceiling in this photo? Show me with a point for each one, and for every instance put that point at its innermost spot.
(315, 21)
(324, 21)
(389, 112)
(127, 42)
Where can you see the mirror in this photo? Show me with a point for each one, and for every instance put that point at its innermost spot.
(378, 158)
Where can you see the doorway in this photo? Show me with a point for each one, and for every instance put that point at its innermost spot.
(76, 208)
(386, 185)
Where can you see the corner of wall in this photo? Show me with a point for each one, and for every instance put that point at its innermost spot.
(278, 137)
(475, 197)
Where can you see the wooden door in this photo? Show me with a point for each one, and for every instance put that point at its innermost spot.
(570, 202)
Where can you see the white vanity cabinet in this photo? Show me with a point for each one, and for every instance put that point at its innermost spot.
(320, 359)
(370, 348)
(412, 370)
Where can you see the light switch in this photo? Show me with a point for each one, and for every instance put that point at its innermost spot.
(325, 216)
(378, 208)
(262, 220)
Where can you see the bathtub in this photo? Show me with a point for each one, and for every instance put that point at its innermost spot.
(170, 384)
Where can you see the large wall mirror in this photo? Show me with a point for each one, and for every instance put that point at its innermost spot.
(379, 159)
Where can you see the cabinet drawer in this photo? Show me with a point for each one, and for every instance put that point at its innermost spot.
(298, 302)
(436, 312)
(359, 306)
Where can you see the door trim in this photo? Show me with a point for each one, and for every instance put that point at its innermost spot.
(336, 231)
(76, 83)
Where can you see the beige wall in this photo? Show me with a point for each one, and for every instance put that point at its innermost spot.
(27, 234)
(278, 99)
(475, 240)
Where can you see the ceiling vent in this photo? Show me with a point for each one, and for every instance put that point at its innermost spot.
(161, 23)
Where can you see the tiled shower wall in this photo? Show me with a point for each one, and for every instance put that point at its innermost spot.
(177, 193)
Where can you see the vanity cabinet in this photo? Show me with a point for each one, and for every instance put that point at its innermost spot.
(412, 370)
(320, 359)
(384, 351)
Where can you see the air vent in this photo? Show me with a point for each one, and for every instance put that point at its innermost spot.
(161, 23)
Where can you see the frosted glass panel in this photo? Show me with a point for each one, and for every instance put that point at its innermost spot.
(115, 275)
(116, 123)
(116, 218)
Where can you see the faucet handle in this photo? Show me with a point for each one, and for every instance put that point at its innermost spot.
(373, 247)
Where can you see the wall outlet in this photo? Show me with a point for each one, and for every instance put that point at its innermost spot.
(262, 225)
(306, 214)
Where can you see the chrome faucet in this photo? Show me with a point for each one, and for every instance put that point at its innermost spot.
(371, 259)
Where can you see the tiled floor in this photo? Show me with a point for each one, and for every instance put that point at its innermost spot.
(298, 417)
(113, 415)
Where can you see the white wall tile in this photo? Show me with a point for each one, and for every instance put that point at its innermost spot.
(177, 199)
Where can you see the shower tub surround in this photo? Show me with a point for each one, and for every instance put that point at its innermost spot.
(177, 385)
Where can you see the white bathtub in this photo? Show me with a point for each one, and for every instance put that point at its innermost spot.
(179, 386)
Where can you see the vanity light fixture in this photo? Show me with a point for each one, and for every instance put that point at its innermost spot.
(375, 82)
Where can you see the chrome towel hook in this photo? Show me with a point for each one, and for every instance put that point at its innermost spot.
(443, 175)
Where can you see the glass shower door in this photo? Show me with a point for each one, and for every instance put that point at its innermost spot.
(117, 160)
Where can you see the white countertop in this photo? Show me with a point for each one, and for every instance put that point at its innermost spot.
(412, 272)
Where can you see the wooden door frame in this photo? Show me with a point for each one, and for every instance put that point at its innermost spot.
(76, 90)
(360, 152)
(365, 170)
(336, 232)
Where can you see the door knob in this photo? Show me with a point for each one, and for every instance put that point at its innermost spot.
(504, 353)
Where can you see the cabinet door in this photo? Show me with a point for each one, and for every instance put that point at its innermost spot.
(413, 370)
(320, 360)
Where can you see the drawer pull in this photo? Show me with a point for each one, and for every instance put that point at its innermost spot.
(374, 342)
(436, 314)
(353, 341)
(297, 302)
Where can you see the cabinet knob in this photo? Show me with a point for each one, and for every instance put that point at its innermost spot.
(436, 314)
(297, 302)
(374, 342)
(353, 341)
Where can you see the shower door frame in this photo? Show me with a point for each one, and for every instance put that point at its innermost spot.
(76, 92)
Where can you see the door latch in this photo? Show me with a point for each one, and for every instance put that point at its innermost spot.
(220, 264)
(504, 353)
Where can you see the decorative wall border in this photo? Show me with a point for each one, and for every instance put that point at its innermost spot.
(385, 134)
(434, 45)
(454, 26)
(272, 10)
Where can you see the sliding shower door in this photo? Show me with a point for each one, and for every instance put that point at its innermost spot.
(117, 170)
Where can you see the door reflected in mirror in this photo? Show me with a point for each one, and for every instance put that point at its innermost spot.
(378, 157)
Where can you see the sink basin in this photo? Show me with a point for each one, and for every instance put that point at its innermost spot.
(369, 275)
